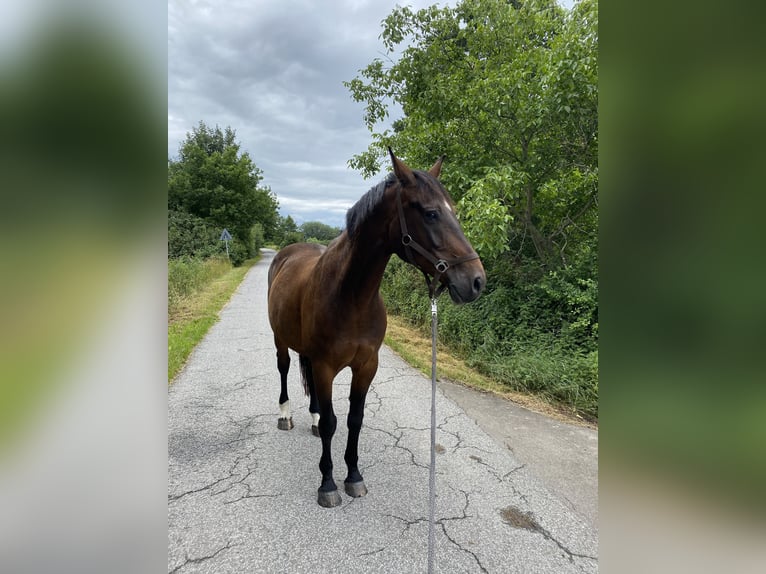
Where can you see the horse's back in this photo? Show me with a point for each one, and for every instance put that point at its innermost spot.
(288, 276)
(295, 258)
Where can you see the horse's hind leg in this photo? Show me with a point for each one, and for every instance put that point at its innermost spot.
(308, 380)
(285, 421)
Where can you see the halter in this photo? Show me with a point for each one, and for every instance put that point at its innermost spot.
(441, 265)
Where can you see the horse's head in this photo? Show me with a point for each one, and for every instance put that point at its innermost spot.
(431, 237)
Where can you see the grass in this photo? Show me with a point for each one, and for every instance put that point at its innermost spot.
(190, 316)
(415, 347)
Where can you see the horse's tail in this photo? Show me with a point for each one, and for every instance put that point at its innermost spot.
(307, 375)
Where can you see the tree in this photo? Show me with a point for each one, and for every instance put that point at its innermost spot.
(288, 225)
(191, 235)
(508, 91)
(319, 231)
(213, 181)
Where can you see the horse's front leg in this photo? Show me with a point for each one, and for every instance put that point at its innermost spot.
(360, 383)
(327, 494)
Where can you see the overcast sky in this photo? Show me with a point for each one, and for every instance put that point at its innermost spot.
(273, 71)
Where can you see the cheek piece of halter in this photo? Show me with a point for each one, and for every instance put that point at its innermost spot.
(440, 265)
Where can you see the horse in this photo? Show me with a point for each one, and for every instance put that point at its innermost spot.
(325, 303)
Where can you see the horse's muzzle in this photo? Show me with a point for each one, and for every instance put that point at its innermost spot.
(467, 285)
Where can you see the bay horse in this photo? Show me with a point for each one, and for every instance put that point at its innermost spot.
(325, 304)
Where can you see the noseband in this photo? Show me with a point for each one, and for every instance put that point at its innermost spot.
(441, 265)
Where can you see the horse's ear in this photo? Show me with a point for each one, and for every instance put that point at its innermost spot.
(402, 172)
(436, 168)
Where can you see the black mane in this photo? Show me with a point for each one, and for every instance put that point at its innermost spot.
(362, 209)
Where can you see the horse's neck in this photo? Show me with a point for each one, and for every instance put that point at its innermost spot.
(361, 271)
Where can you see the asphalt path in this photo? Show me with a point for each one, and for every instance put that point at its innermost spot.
(242, 494)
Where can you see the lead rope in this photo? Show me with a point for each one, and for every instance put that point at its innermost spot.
(434, 290)
(432, 471)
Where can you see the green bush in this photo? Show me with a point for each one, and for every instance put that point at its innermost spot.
(238, 252)
(258, 238)
(191, 236)
(531, 330)
(291, 237)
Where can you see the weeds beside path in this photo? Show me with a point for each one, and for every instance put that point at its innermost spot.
(415, 348)
(197, 291)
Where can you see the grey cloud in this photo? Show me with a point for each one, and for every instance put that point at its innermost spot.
(273, 71)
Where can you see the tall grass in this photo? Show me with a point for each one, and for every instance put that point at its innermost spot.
(189, 275)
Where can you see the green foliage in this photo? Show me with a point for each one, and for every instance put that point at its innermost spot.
(192, 236)
(508, 91)
(539, 336)
(259, 237)
(284, 226)
(485, 217)
(213, 181)
(238, 252)
(311, 231)
(319, 231)
(291, 237)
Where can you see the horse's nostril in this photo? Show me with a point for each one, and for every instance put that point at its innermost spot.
(478, 284)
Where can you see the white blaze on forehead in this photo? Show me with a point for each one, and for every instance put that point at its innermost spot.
(447, 205)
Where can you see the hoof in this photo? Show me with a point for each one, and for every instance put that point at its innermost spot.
(285, 424)
(315, 430)
(355, 489)
(328, 499)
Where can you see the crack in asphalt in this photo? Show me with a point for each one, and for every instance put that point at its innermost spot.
(371, 552)
(462, 548)
(248, 495)
(570, 553)
(373, 406)
(526, 520)
(407, 523)
(442, 522)
(233, 476)
(513, 470)
(397, 440)
(505, 478)
(199, 559)
(243, 383)
(399, 433)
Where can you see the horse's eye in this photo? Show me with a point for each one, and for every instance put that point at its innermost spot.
(431, 215)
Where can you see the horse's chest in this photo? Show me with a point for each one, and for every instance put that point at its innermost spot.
(347, 331)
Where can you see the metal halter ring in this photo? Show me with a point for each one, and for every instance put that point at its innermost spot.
(406, 239)
(441, 266)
